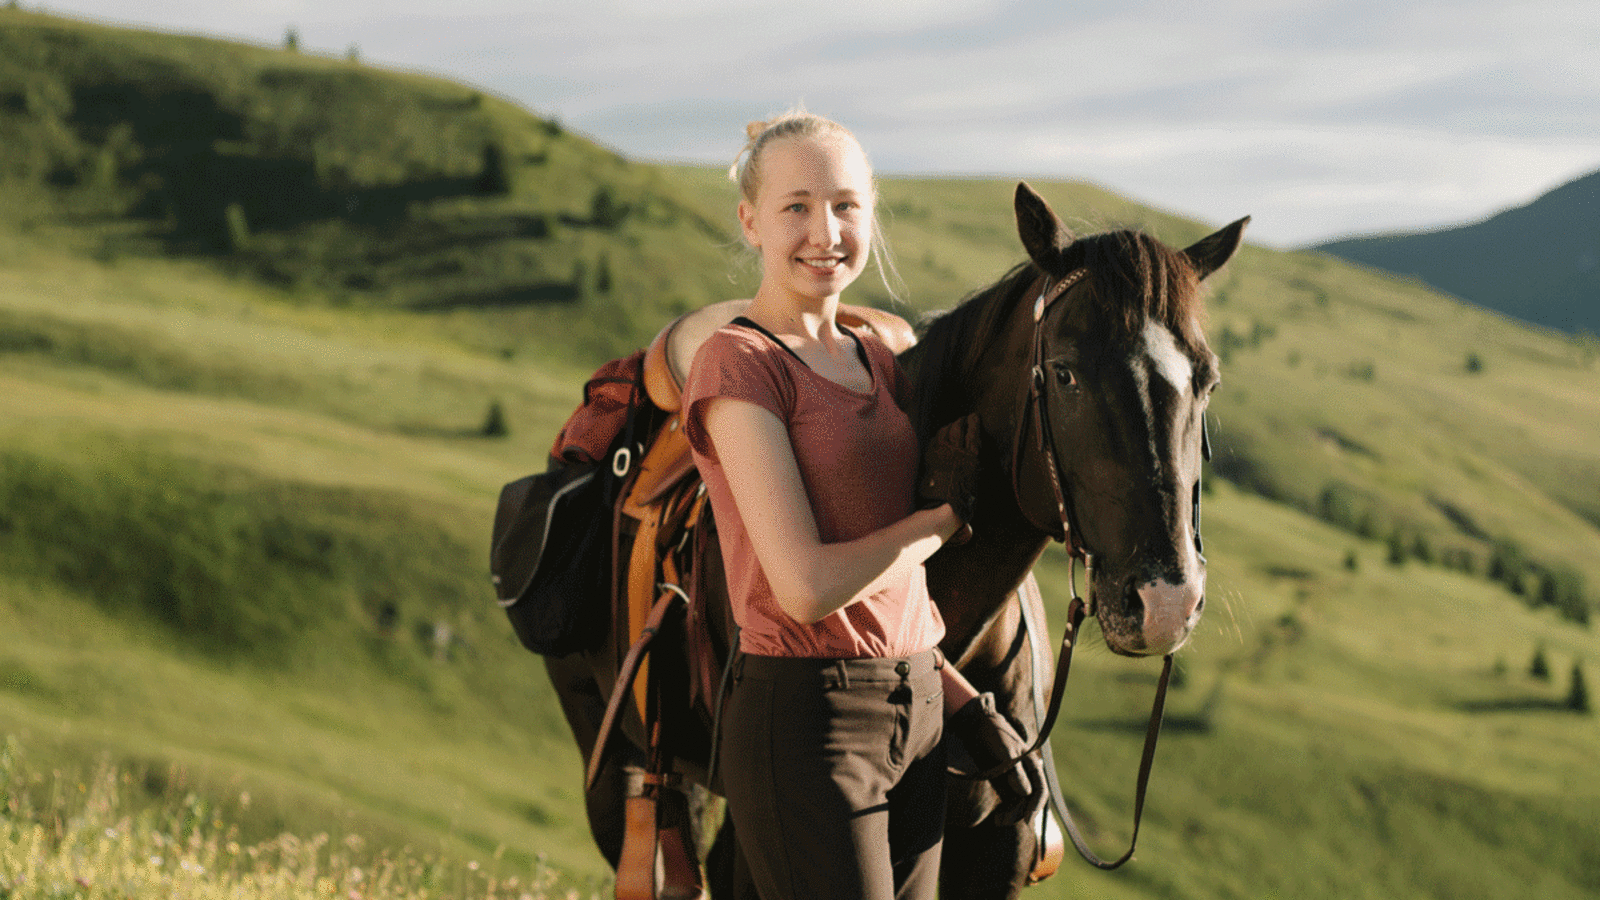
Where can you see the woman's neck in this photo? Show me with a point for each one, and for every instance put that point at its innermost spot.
(805, 318)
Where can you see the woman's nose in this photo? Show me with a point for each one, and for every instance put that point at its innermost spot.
(825, 229)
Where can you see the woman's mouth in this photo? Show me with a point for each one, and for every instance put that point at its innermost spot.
(828, 263)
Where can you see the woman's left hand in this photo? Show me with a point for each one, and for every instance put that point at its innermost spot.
(950, 470)
(990, 740)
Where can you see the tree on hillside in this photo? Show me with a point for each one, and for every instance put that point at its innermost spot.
(605, 210)
(494, 422)
(1539, 667)
(1397, 548)
(494, 177)
(291, 40)
(1578, 694)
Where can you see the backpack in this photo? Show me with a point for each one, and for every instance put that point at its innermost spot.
(550, 550)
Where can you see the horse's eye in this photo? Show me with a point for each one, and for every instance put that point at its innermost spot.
(1064, 374)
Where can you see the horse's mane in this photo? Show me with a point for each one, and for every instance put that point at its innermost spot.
(1133, 278)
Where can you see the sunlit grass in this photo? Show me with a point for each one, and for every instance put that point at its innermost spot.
(100, 834)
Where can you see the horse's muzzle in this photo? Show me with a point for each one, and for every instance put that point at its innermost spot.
(1163, 614)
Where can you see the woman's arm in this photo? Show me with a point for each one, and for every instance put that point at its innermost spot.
(809, 578)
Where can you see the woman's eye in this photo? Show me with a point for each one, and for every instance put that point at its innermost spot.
(796, 207)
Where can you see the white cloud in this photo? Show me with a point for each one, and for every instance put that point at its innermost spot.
(1322, 117)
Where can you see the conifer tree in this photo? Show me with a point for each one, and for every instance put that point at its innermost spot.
(1578, 694)
(1539, 667)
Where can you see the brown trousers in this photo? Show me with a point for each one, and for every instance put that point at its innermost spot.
(834, 774)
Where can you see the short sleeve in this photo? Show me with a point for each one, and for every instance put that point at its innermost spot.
(738, 366)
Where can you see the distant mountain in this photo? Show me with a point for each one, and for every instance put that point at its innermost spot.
(1539, 263)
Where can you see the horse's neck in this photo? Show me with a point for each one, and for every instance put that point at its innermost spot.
(970, 582)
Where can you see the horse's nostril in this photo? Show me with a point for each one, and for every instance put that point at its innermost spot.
(1200, 607)
(1135, 604)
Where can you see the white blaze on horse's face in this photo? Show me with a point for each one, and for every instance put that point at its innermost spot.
(1171, 608)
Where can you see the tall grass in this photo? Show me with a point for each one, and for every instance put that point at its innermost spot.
(103, 834)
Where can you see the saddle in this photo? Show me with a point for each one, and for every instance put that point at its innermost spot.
(662, 504)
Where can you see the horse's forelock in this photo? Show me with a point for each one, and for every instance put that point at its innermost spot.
(1135, 278)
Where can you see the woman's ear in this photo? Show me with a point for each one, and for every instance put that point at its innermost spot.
(747, 224)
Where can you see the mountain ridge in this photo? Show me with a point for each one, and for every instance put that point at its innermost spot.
(1539, 263)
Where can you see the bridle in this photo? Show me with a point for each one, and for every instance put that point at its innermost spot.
(1064, 528)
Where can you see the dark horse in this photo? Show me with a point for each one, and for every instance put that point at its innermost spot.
(1090, 372)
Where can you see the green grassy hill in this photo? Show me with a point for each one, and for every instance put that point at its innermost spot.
(245, 493)
(1539, 262)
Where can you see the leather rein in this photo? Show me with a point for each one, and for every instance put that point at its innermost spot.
(1066, 531)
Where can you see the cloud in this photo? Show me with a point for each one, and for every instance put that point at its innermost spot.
(1323, 117)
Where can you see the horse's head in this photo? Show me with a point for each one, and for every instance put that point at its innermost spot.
(1116, 415)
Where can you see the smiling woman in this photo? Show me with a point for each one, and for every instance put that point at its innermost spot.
(833, 761)
(827, 150)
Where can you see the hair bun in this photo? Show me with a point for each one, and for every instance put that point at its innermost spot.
(754, 130)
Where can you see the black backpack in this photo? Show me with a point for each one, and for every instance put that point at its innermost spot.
(550, 552)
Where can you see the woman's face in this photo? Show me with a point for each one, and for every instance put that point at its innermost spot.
(812, 219)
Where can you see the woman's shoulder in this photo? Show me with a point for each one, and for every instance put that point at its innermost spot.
(733, 340)
(736, 354)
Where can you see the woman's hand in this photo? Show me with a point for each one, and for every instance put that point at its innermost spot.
(950, 471)
(990, 740)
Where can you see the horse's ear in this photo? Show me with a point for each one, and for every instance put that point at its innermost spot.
(1209, 253)
(1042, 233)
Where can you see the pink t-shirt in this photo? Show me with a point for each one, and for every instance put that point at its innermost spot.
(857, 455)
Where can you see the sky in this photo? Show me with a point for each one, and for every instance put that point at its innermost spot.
(1320, 118)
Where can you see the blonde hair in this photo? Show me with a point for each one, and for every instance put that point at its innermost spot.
(797, 123)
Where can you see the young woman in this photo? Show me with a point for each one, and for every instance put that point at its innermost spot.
(831, 757)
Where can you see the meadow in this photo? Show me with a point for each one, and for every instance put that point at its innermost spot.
(245, 494)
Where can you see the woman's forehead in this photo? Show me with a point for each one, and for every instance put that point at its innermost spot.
(816, 164)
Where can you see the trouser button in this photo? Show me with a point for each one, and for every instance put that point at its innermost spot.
(902, 668)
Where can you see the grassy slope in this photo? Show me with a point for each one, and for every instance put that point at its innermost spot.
(330, 715)
(1359, 731)
(1355, 724)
